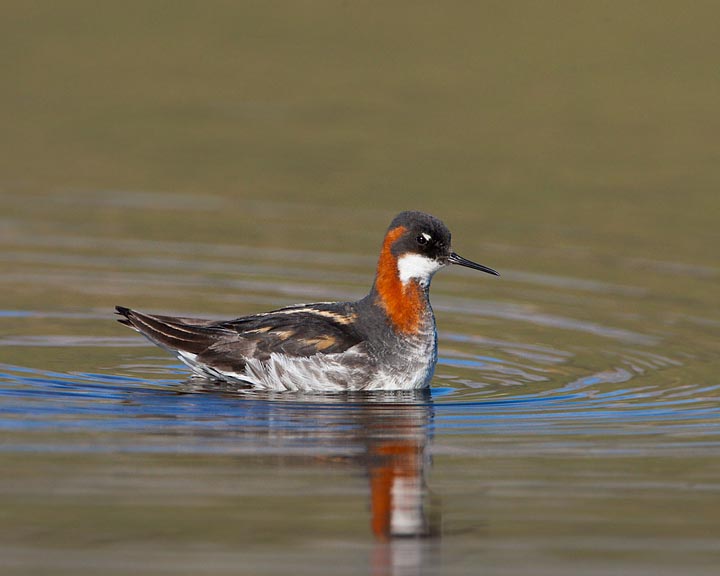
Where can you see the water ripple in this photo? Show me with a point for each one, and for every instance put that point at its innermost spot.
(37, 401)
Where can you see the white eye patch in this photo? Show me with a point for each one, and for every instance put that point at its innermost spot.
(426, 236)
(417, 266)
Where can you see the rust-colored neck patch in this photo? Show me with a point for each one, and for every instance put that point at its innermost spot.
(404, 304)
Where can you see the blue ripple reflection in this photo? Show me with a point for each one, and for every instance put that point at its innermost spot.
(138, 414)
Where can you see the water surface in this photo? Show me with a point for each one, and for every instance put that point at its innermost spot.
(220, 163)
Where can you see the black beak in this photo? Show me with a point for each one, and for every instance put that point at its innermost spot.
(457, 259)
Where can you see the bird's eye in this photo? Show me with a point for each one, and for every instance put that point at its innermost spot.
(423, 239)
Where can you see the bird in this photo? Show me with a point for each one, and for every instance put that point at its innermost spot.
(384, 341)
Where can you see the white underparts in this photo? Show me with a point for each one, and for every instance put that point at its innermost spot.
(328, 372)
(319, 373)
(418, 267)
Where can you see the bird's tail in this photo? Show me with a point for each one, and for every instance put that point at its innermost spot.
(174, 334)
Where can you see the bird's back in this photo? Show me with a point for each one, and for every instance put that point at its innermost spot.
(298, 347)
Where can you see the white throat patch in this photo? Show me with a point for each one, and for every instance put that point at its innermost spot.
(417, 266)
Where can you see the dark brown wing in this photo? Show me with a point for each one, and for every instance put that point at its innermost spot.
(303, 330)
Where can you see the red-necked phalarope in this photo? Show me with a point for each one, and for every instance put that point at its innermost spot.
(385, 341)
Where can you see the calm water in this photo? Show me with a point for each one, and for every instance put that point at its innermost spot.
(222, 163)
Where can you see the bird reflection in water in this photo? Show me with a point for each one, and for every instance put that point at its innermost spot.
(386, 435)
(397, 460)
(403, 514)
